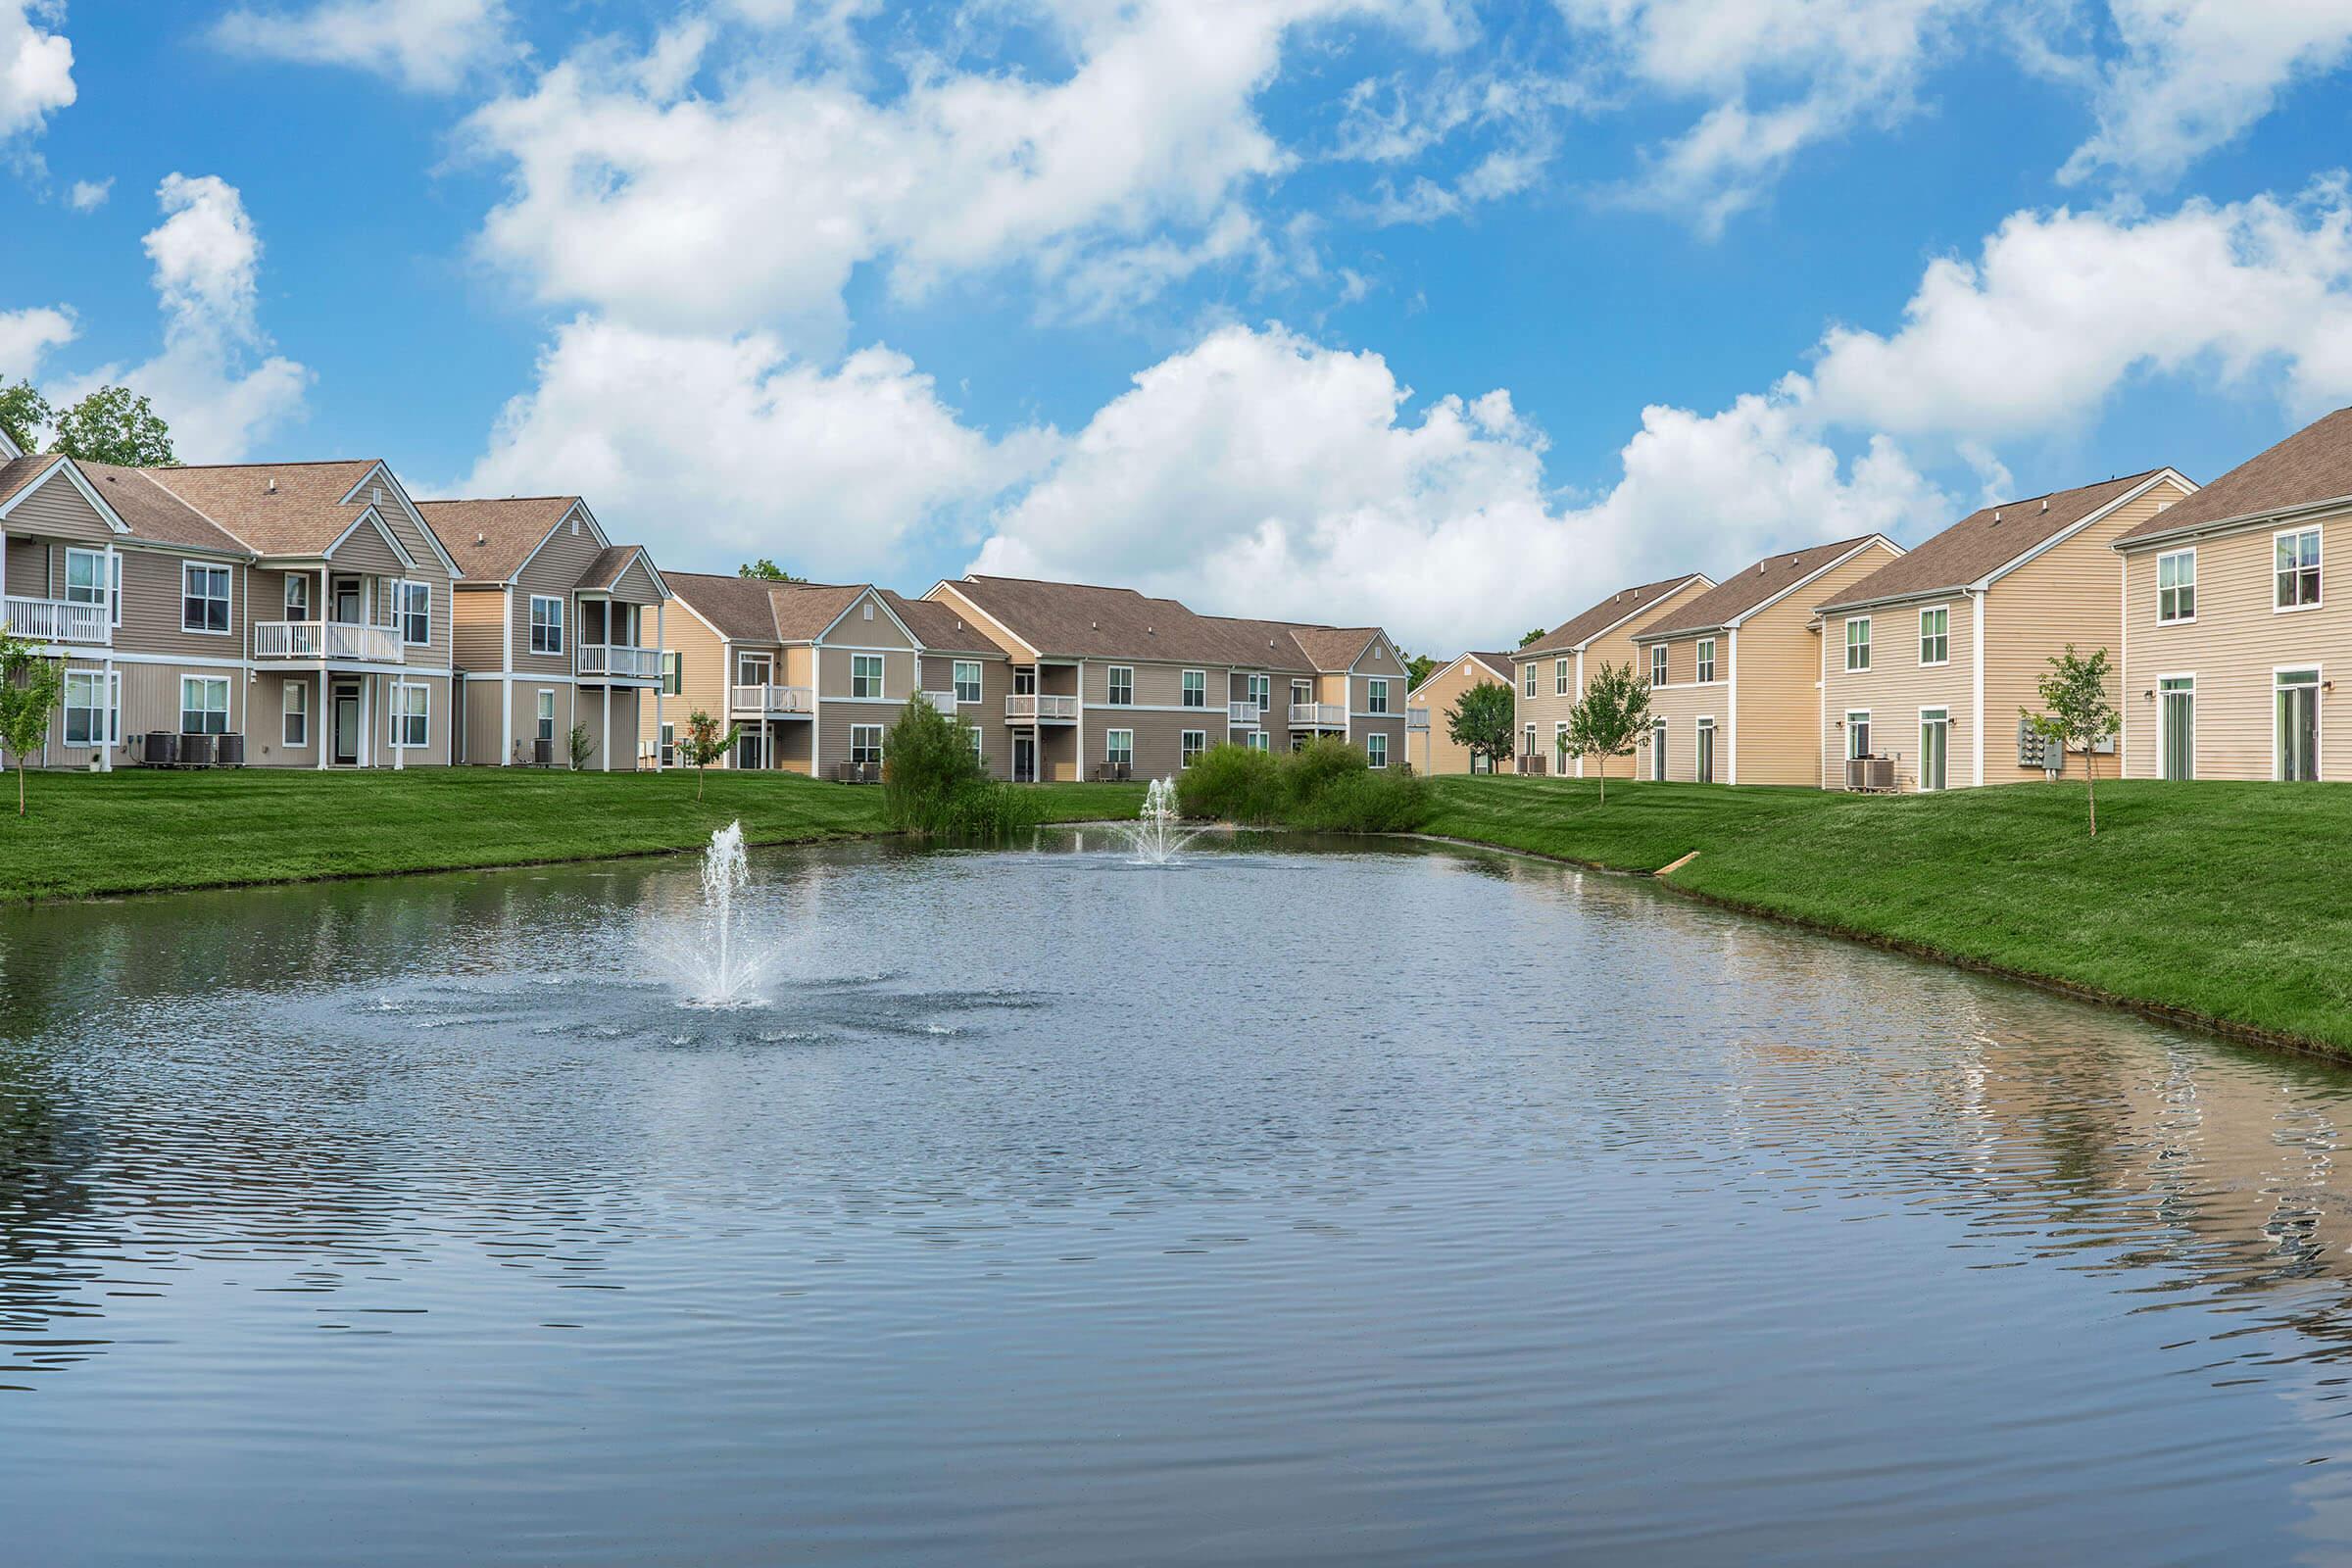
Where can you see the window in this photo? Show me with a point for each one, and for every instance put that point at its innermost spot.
(1118, 746)
(1657, 666)
(866, 674)
(204, 704)
(1192, 743)
(1858, 736)
(670, 746)
(1936, 636)
(1560, 677)
(412, 602)
(87, 583)
(1530, 683)
(752, 669)
(411, 714)
(972, 733)
(2177, 586)
(294, 715)
(1302, 691)
(1262, 692)
(673, 674)
(2177, 725)
(866, 744)
(1706, 660)
(547, 625)
(1559, 741)
(1258, 741)
(751, 751)
(1376, 696)
(2298, 567)
(2298, 743)
(1857, 643)
(298, 598)
(1376, 749)
(89, 715)
(202, 600)
(967, 681)
(1196, 688)
(1528, 746)
(1122, 686)
(1707, 751)
(1934, 746)
(546, 715)
(1658, 751)
(869, 610)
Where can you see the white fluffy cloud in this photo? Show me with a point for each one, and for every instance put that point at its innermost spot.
(27, 335)
(1260, 471)
(2061, 307)
(88, 195)
(215, 381)
(36, 65)
(716, 449)
(425, 45)
(2195, 74)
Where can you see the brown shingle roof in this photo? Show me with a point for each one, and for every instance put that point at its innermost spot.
(1333, 647)
(303, 516)
(738, 607)
(2315, 464)
(1984, 541)
(941, 627)
(490, 540)
(19, 474)
(1497, 665)
(1582, 629)
(610, 563)
(1079, 621)
(154, 512)
(1743, 592)
(803, 610)
(1254, 644)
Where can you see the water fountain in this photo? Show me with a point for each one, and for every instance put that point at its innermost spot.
(1155, 838)
(716, 965)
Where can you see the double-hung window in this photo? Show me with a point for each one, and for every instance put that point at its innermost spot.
(412, 602)
(1857, 643)
(866, 674)
(1258, 741)
(1936, 636)
(412, 716)
(1118, 746)
(1560, 677)
(1706, 660)
(1196, 688)
(2298, 569)
(1188, 747)
(294, 714)
(1657, 666)
(89, 712)
(674, 675)
(1376, 749)
(298, 596)
(547, 625)
(670, 746)
(2177, 586)
(1376, 695)
(1857, 735)
(203, 705)
(1262, 692)
(1530, 681)
(203, 601)
(866, 744)
(88, 581)
(1121, 690)
(968, 683)
(546, 715)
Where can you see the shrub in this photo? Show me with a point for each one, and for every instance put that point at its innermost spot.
(1231, 784)
(1326, 788)
(1389, 801)
(933, 782)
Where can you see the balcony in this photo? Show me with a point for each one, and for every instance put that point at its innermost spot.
(940, 701)
(54, 620)
(619, 663)
(1318, 716)
(323, 640)
(1244, 713)
(1416, 718)
(765, 699)
(1030, 708)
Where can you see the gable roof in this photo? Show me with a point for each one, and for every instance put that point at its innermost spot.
(1579, 630)
(940, 627)
(1986, 540)
(803, 612)
(1497, 665)
(19, 474)
(490, 540)
(152, 512)
(1334, 647)
(2313, 465)
(1066, 619)
(612, 563)
(304, 514)
(737, 608)
(1736, 598)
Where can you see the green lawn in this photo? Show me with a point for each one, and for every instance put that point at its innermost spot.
(135, 831)
(2226, 901)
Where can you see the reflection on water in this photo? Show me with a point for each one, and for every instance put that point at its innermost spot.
(1314, 1205)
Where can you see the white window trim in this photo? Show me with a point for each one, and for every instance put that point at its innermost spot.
(552, 624)
(1529, 679)
(227, 598)
(1184, 690)
(1853, 714)
(1851, 621)
(1110, 745)
(955, 681)
(1382, 761)
(294, 702)
(1376, 685)
(1186, 750)
(543, 711)
(400, 611)
(2319, 739)
(874, 730)
(1919, 766)
(2278, 608)
(2190, 676)
(1660, 666)
(1560, 679)
(763, 664)
(108, 708)
(227, 700)
(881, 672)
(285, 599)
(108, 580)
(401, 717)
(1702, 661)
(2190, 618)
(1110, 685)
(1924, 611)
(1705, 724)
(1660, 735)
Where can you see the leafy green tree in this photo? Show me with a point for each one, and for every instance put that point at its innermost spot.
(114, 424)
(702, 744)
(929, 761)
(582, 746)
(767, 570)
(2077, 715)
(23, 414)
(1481, 720)
(1609, 720)
(1418, 668)
(29, 687)
(1531, 636)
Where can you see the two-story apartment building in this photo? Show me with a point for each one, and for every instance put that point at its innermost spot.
(1549, 674)
(1305, 681)
(553, 626)
(2236, 620)
(1927, 661)
(1736, 671)
(1429, 739)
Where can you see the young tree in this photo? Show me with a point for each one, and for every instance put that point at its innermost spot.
(582, 746)
(767, 570)
(1610, 720)
(702, 744)
(23, 414)
(931, 762)
(1481, 720)
(2076, 716)
(29, 687)
(114, 424)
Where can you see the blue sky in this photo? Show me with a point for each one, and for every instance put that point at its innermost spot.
(1444, 315)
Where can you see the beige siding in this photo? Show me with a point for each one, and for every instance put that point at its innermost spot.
(1434, 750)
(552, 573)
(151, 609)
(636, 586)
(365, 549)
(1550, 707)
(477, 631)
(55, 510)
(1898, 686)
(1778, 654)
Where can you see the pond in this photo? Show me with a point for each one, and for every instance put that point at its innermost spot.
(1298, 1203)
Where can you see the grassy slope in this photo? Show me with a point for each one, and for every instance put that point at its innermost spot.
(136, 831)
(2219, 899)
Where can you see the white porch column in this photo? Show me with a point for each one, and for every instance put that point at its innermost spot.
(661, 663)
(113, 709)
(322, 721)
(400, 747)
(366, 713)
(1731, 753)
(3, 561)
(608, 741)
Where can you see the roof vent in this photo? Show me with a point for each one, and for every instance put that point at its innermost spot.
(1996, 518)
(1094, 625)
(271, 488)
(481, 539)
(2046, 503)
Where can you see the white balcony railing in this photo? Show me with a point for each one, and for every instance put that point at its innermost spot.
(1318, 716)
(1243, 712)
(54, 620)
(612, 658)
(1029, 707)
(775, 699)
(326, 639)
(944, 701)
(1416, 718)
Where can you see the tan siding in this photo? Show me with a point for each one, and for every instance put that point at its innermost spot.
(1434, 750)
(365, 549)
(702, 683)
(636, 585)
(483, 714)
(552, 573)
(151, 609)
(1897, 686)
(1777, 735)
(55, 510)
(266, 726)
(1548, 708)
(867, 623)
(477, 628)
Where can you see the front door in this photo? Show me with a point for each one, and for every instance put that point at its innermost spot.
(1707, 751)
(2298, 725)
(347, 601)
(2178, 695)
(1935, 732)
(347, 725)
(1024, 759)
